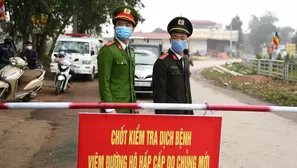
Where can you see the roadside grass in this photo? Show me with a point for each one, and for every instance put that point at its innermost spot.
(271, 90)
(203, 58)
(212, 74)
(237, 67)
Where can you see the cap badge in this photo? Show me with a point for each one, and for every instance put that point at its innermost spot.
(127, 11)
(181, 22)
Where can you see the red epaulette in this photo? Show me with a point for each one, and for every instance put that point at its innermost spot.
(163, 56)
(109, 43)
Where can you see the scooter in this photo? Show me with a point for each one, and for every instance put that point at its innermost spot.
(63, 75)
(38, 65)
(17, 84)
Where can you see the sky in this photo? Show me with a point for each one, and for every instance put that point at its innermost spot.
(158, 13)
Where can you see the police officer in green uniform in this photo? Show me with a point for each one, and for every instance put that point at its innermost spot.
(116, 62)
(171, 75)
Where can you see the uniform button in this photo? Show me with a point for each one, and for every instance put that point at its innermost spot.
(122, 63)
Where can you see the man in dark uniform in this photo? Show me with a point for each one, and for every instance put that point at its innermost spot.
(116, 62)
(171, 75)
(30, 56)
(6, 52)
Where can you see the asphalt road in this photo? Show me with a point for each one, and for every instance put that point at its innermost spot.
(48, 138)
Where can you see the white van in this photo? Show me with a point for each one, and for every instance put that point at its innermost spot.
(84, 48)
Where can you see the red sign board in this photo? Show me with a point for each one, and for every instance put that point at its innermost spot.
(148, 141)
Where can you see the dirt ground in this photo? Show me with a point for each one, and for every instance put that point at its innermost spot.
(48, 138)
(44, 138)
(264, 83)
(252, 78)
(276, 91)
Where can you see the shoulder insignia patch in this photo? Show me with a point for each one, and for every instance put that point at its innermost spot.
(174, 57)
(109, 43)
(163, 56)
(120, 47)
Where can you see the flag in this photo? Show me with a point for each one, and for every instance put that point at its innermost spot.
(274, 43)
(276, 39)
(2, 11)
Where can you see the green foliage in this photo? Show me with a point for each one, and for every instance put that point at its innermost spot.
(279, 56)
(236, 24)
(239, 68)
(273, 91)
(261, 28)
(211, 74)
(92, 14)
(259, 56)
(285, 34)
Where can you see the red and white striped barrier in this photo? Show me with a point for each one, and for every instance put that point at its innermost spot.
(159, 106)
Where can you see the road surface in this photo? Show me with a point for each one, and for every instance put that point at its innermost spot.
(48, 138)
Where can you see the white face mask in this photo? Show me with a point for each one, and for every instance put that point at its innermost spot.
(29, 47)
(62, 52)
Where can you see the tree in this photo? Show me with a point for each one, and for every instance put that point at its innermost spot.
(294, 38)
(261, 28)
(236, 24)
(159, 30)
(285, 34)
(92, 13)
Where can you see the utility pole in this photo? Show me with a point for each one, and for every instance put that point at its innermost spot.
(231, 41)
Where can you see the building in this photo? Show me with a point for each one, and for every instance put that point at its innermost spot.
(208, 38)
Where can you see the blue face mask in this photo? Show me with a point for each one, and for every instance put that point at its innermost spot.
(123, 32)
(178, 46)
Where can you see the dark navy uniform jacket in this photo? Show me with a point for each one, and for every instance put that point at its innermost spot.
(30, 55)
(5, 54)
(171, 82)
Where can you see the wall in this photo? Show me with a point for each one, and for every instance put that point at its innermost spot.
(198, 45)
(215, 34)
(220, 45)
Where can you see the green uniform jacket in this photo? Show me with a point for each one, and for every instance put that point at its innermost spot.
(116, 72)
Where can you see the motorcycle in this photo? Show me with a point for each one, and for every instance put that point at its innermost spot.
(17, 84)
(63, 75)
(38, 65)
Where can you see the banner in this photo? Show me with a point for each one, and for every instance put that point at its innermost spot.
(2, 11)
(148, 141)
(291, 49)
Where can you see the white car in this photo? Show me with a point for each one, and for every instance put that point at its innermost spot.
(144, 63)
(81, 47)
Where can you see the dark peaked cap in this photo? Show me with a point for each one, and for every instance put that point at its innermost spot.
(180, 25)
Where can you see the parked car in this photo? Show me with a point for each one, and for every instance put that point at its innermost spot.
(155, 48)
(144, 63)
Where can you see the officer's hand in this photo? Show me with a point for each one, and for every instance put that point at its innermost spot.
(136, 111)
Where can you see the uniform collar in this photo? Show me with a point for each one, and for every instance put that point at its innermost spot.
(121, 43)
(176, 54)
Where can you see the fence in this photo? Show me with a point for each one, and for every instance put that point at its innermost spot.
(272, 68)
